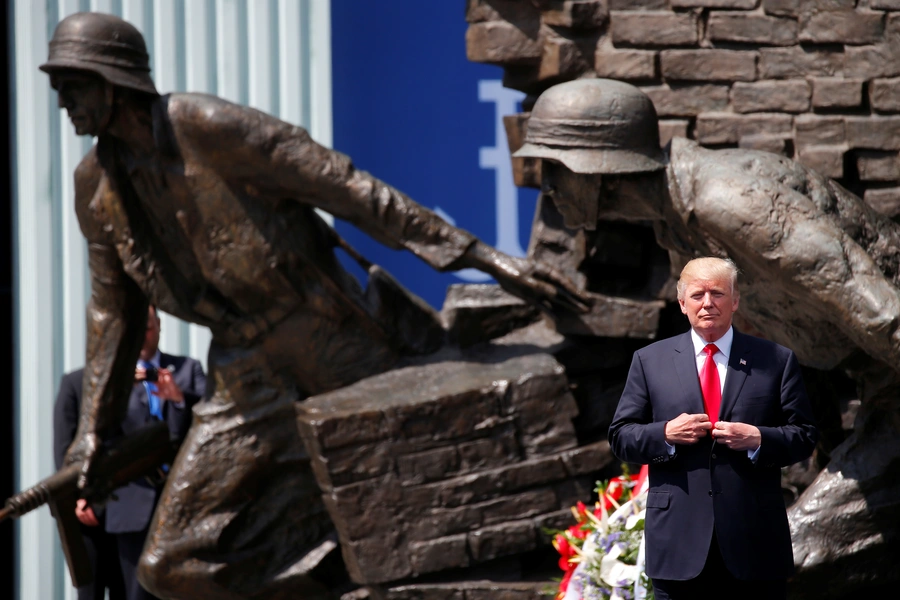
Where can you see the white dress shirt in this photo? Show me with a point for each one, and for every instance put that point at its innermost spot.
(721, 359)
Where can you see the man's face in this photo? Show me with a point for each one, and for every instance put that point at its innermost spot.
(151, 337)
(709, 305)
(576, 196)
(87, 98)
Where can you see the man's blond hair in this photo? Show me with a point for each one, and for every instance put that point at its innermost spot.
(708, 268)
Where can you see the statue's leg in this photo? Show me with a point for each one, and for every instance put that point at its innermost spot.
(241, 509)
(846, 526)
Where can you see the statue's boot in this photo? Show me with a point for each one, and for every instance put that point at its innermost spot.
(846, 526)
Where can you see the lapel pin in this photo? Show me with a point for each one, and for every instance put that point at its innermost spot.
(743, 362)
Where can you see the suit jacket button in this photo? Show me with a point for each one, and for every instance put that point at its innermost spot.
(710, 493)
(713, 455)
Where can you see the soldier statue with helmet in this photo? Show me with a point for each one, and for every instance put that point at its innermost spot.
(819, 268)
(206, 209)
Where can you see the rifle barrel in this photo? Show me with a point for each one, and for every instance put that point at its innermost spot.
(126, 459)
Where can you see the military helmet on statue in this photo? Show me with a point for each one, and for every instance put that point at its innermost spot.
(595, 126)
(102, 44)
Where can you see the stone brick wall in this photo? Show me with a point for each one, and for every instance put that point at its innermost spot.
(449, 464)
(815, 80)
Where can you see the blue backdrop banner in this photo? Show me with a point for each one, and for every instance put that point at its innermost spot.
(410, 109)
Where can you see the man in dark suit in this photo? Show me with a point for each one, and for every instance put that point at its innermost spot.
(168, 386)
(716, 414)
(100, 545)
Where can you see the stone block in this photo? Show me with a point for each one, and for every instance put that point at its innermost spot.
(561, 58)
(814, 130)
(625, 64)
(474, 313)
(555, 435)
(708, 65)
(364, 509)
(458, 491)
(687, 100)
(502, 540)
(836, 92)
(654, 28)
(729, 128)
(751, 29)
(576, 14)
(794, 8)
(638, 4)
(501, 43)
(764, 143)
(526, 16)
(827, 160)
(884, 95)
(471, 590)
(560, 519)
(870, 62)
(587, 459)
(788, 8)
(478, 11)
(526, 171)
(877, 166)
(799, 62)
(672, 128)
(873, 133)
(530, 473)
(350, 464)
(841, 27)
(351, 429)
(884, 4)
(520, 506)
(612, 316)
(433, 523)
(425, 466)
(771, 96)
(376, 560)
(884, 200)
(574, 490)
(439, 554)
(488, 453)
(726, 4)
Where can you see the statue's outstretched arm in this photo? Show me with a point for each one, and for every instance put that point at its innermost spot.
(284, 161)
(116, 322)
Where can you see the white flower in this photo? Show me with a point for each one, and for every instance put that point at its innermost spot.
(590, 551)
(633, 520)
(613, 571)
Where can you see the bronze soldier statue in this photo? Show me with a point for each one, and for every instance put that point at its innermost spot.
(821, 271)
(206, 209)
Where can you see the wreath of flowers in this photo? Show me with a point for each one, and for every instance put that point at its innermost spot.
(602, 554)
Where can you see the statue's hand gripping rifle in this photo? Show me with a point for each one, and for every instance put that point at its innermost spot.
(120, 462)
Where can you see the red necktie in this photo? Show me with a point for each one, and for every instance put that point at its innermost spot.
(709, 384)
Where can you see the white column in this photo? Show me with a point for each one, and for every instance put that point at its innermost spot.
(34, 289)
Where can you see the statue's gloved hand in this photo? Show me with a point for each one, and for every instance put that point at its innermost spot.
(84, 450)
(533, 282)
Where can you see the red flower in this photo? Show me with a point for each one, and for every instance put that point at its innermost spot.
(564, 584)
(615, 490)
(578, 532)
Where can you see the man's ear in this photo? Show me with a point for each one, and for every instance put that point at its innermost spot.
(681, 305)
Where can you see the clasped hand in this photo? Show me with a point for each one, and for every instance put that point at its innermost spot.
(166, 387)
(688, 429)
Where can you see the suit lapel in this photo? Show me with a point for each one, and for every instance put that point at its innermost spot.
(686, 368)
(738, 369)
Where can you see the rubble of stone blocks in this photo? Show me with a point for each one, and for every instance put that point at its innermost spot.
(475, 590)
(816, 80)
(450, 463)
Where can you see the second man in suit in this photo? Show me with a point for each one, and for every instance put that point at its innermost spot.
(166, 388)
